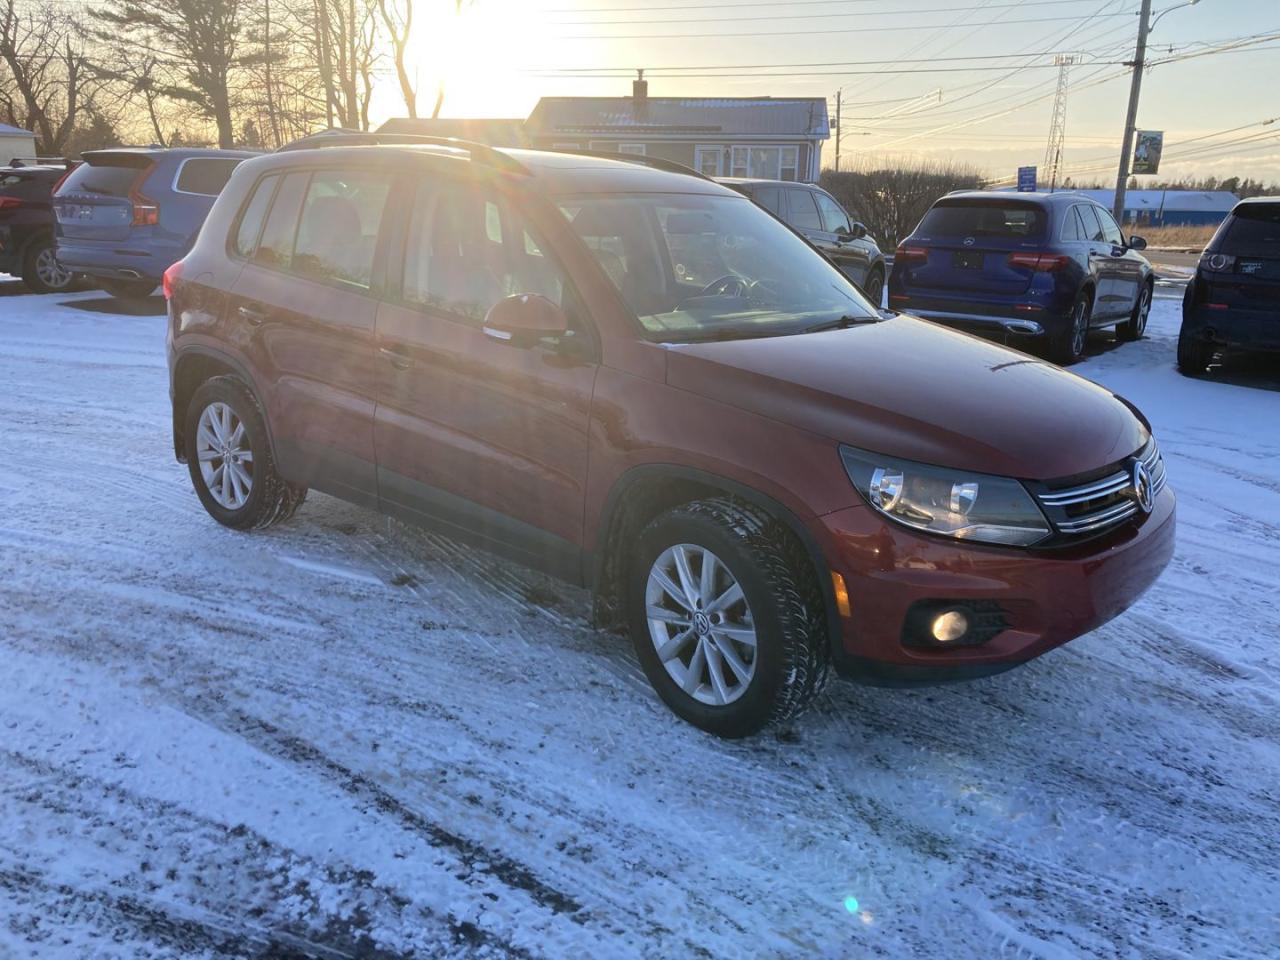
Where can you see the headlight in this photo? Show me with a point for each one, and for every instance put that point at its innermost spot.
(967, 506)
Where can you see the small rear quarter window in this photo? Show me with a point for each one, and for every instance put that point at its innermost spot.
(250, 224)
(205, 176)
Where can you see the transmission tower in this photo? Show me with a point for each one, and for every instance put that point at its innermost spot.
(1058, 124)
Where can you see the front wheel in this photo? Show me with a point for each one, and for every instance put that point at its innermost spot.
(128, 289)
(1133, 328)
(41, 271)
(873, 289)
(1068, 344)
(230, 460)
(727, 617)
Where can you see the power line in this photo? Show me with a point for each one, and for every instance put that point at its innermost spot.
(816, 16)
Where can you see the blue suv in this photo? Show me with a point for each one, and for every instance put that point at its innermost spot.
(1045, 268)
(125, 215)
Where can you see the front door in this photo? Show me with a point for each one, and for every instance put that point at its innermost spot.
(852, 254)
(303, 309)
(474, 435)
(1126, 266)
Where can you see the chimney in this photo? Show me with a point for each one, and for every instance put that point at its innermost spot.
(640, 94)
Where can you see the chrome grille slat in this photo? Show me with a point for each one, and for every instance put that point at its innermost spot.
(1105, 502)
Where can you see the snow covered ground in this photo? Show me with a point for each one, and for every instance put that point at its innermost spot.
(345, 738)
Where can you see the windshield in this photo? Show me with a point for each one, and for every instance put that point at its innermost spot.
(711, 267)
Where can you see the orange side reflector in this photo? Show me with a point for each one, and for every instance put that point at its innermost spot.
(842, 595)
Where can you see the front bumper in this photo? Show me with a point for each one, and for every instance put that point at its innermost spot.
(1048, 597)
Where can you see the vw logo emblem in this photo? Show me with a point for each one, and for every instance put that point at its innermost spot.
(701, 623)
(969, 241)
(1142, 488)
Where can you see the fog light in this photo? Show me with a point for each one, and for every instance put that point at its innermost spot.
(949, 626)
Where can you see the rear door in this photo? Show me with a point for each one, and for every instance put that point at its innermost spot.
(96, 201)
(303, 304)
(471, 431)
(968, 243)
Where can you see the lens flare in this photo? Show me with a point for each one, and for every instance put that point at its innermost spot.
(851, 904)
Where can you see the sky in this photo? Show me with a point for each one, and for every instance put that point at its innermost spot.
(965, 80)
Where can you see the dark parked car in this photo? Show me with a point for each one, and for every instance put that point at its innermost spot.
(760, 475)
(1037, 268)
(822, 221)
(1233, 301)
(125, 215)
(26, 226)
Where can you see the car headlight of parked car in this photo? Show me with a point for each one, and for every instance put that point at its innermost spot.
(968, 506)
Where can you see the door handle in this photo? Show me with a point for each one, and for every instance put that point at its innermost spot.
(399, 360)
(255, 315)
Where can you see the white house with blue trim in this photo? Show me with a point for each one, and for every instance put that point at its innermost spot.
(16, 143)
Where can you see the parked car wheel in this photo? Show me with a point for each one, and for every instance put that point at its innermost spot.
(1068, 344)
(41, 271)
(873, 289)
(727, 617)
(1194, 354)
(128, 289)
(1133, 328)
(230, 461)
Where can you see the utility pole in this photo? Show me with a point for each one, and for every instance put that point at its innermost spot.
(1131, 118)
(838, 93)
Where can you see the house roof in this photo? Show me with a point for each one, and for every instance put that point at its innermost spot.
(6, 130)
(1209, 201)
(735, 116)
(496, 133)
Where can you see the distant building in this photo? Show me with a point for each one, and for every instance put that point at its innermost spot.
(496, 133)
(773, 138)
(1170, 208)
(16, 144)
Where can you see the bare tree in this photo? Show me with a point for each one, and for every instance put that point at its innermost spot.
(397, 19)
(44, 57)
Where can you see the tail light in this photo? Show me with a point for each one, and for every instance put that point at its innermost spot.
(906, 254)
(1218, 262)
(146, 212)
(1043, 262)
(170, 278)
(9, 203)
(63, 179)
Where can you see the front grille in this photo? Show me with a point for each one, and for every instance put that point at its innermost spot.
(1099, 503)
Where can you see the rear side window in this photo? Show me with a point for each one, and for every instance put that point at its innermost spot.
(1090, 223)
(338, 232)
(1252, 225)
(804, 212)
(112, 180)
(1072, 229)
(275, 249)
(205, 176)
(984, 219)
(770, 198)
(251, 220)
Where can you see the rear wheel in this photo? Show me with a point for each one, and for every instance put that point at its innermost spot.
(727, 617)
(1136, 325)
(1068, 344)
(873, 289)
(1195, 353)
(229, 457)
(128, 289)
(41, 271)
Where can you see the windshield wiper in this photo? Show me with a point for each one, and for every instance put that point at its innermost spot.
(842, 323)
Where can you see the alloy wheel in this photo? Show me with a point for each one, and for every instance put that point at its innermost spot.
(1079, 328)
(226, 459)
(51, 273)
(1144, 309)
(700, 624)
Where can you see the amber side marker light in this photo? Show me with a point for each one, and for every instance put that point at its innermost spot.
(842, 595)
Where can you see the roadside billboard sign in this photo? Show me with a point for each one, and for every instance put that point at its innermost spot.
(1147, 150)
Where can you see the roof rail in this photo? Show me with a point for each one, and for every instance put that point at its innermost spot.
(657, 163)
(479, 152)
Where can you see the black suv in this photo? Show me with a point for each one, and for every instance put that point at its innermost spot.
(818, 217)
(1233, 301)
(26, 226)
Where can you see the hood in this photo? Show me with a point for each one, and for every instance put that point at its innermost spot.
(913, 389)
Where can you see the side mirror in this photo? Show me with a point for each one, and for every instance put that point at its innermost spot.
(856, 232)
(525, 319)
(1137, 243)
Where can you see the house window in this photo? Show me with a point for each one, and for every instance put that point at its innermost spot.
(767, 163)
(609, 146)
(636, 149)
(707, 161)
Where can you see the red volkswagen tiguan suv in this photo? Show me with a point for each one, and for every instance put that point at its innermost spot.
(756, 473)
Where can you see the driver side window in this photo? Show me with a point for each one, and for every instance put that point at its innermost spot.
(1109, 228)
(834, 219)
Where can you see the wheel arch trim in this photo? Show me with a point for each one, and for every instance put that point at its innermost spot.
(241, 370)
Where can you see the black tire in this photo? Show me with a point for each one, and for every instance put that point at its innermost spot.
(873, 289)
(128, 289)
(780, 587)
(1067, 345)
(1133, 328)
(270, 499)
(1194, 354)
(39, 274)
